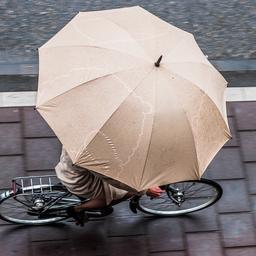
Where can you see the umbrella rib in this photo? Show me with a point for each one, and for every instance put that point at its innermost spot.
(127, 33)
(192, 62)
(202, 90)
(150, 140)
(132, 91)
(97, 47)
(81, 84)
(188, 121)
(227, 133)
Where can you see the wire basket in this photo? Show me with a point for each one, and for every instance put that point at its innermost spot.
(35, 184)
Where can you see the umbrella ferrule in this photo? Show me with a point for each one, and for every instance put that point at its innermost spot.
(157, 64)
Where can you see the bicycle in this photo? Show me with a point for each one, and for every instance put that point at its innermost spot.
(39, 200)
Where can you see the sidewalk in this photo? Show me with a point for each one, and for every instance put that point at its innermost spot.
(29, 147)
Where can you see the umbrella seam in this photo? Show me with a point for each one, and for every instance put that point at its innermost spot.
(201, 63)
(132, 91)
(81, 84)
(150, 140)
(202, 90)
(92, 46)
(188, 121)
(205, 95)
(128, 34)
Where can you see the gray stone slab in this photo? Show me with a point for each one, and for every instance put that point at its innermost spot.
(9, 115)
(49, 233)
(169, 253)
(126, 226)
(34, 125)
(14, 241)
(235, 65)
(245, 113)
(91, 240)
(164, 234)
(235, 196)
(129, 246)
(11, 166)
(251, 173)
(204, 220)
(244, 78)
(238, 229)
(10, 137)
(19, 83)
(248, 145)
(206, 243)
(51, 248)
(244, 251)
(42, 154)
(227, 164)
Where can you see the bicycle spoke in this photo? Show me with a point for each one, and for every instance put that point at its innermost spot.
(189, 196)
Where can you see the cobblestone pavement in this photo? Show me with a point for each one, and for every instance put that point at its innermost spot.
(223, 29)
(29, 147)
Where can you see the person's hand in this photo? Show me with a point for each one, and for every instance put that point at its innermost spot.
(154, 192)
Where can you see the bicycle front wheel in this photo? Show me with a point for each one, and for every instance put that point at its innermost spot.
(181, 198)
(19, 208)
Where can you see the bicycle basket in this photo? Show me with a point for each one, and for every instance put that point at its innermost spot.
(35, 184)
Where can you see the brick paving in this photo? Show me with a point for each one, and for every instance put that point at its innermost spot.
(29, 147)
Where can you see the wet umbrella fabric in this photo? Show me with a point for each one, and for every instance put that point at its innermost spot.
(132, 97)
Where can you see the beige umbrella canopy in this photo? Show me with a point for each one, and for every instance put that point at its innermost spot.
(132, 97)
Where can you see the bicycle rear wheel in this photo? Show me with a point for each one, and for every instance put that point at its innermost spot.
(24, 208)
(181, 198)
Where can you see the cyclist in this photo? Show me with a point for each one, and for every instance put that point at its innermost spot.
(87, 184)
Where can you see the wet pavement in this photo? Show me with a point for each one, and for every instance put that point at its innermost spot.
(223, 29)
(29, 147)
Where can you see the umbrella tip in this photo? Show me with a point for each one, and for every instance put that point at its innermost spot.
(157, 64)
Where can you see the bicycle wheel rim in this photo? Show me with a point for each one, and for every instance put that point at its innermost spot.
(169, 208)
(14, 212)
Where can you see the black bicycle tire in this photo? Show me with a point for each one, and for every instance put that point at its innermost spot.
(172, 213)
(9, 194)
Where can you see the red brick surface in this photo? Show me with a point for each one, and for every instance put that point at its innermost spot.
(29, 147)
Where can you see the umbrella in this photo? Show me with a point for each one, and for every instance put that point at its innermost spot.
(132, 97)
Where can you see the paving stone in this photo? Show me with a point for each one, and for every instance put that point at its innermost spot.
(253, 206)
(39, 173)
(126, 226)
(248, 145)
(238, 229)
(251, 173)
(169, 253)
(46, 233)
(235, 197)
(9, 115)
(10, 137)
(90, 240)
(206, 243)
(14, 241)
(42, 153)
(227, 164)
(123, 210)
(11, 166)
(204, 220)
(35, 125)
(127, 245)
(229, 109)
(234, 141)
(245, 113)
(245, 251)
(51, 248)
(171, 233)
